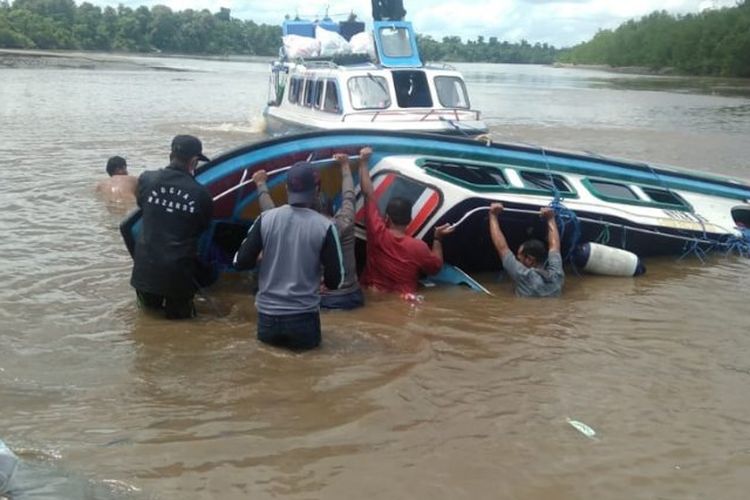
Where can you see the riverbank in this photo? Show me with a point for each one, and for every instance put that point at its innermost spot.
(628, 70)
(63, 59)
(42, 59)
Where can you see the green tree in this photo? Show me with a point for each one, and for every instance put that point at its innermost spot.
(713, 42)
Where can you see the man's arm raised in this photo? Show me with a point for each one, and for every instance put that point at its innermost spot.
(553, 236)
(365, 182)
(498, 238)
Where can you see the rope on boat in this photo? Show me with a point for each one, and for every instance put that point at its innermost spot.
(566, 219)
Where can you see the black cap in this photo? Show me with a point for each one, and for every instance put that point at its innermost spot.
(187, 146)
(300, 183)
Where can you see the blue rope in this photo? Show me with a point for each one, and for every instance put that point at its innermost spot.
(566, 219)
(569, 226)
(694, 248)
(734, 244)
(603, 237)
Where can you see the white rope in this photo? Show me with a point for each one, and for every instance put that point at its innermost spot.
(244, 181)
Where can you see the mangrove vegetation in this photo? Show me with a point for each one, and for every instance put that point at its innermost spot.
(713, 42)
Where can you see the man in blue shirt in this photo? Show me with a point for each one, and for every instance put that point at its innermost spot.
(295, 240)
(527, 269)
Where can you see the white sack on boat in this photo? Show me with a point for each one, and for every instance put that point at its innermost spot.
(331, 44)
(362, 43)
(296, 46)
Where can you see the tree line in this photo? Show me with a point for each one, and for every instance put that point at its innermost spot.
(494, 51)
(60, 24)
(713, 42)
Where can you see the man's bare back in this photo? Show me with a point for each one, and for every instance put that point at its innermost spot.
(118, 188)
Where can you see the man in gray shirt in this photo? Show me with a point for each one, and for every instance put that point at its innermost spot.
(527, 269)
(295, 241)
(349, 295)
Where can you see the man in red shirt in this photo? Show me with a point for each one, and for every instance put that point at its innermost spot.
(394, 259)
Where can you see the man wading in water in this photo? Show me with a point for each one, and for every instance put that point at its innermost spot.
(527, 269)
(176, 210)
(119, 186)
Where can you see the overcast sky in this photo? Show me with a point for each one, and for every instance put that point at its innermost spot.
(557, 22)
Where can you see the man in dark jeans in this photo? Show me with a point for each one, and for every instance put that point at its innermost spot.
(176, 210)
(349, 295)
(295, 240)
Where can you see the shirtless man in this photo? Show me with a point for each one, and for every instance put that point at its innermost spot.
(119, 187)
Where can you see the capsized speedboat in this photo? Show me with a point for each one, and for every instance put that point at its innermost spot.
(644, 209)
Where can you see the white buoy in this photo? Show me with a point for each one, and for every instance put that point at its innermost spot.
(596, 258)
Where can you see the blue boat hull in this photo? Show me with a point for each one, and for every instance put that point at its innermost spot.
(470, 248)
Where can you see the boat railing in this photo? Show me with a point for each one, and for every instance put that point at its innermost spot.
(428, 115)
(444, 66)
(316, 64)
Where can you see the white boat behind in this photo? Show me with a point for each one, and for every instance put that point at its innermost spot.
(388, 87)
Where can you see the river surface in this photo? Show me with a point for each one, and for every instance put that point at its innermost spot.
(462, 396)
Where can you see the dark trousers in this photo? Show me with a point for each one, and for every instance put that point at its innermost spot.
(298, 332)
(174, 307)
(351, 300)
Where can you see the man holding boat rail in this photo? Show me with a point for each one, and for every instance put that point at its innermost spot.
(527, 269)
(349, 295)
(395, 260)
(295, 241)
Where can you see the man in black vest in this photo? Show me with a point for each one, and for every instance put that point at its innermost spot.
(176, 209)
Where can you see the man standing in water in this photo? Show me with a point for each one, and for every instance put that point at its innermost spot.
(527, 269)
(295, 241)
(349, 295)
(176, 210)
(119, 186)
(395, 260)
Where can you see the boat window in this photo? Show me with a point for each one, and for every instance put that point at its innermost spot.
(545, 181)
(309, 88)
(451, 92)
(412, 90)
(613, 190)
(294, 90)
(369, 92)
(331, 102)
(741, 216)
(663, 196)
(473, 174)
(318, 94)
(425, 200)
(396, 42)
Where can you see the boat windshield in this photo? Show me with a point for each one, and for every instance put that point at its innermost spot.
(369, 92)
(451, 92)
(396, 42)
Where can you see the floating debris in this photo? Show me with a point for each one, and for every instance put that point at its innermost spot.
(582, 428)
